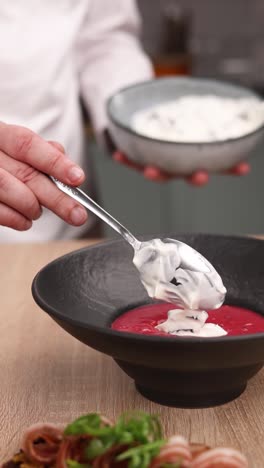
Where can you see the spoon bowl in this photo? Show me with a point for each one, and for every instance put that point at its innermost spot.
(174, 272)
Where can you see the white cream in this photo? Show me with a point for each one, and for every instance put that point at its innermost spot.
(196, 118)
(158, 265)
(156, 262)
(190, 323)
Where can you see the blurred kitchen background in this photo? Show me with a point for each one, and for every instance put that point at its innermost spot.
(210, 38)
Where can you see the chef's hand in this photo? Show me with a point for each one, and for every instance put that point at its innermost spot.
(198, 179)
(24, 189)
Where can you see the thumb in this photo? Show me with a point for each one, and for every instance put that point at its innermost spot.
(57, 145)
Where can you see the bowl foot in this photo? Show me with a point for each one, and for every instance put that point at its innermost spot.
(189, 401)
(190, 389)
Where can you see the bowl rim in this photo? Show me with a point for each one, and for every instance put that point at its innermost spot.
(129, 129)
(131, 337)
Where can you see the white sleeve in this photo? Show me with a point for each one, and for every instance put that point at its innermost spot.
(109, 54)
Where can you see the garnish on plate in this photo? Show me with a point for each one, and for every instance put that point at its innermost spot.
(134, 441)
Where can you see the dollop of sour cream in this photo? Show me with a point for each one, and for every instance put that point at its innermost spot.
(158, 264)
(196, 118)
(190, 323)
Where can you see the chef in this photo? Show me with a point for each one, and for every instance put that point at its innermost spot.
(52, 54)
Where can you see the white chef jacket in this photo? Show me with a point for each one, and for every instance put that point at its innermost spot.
(53, 52)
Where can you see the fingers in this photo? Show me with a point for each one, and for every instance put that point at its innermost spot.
(155, 174)
(55, 200)
(57, 145)
(122, 159)
(45, 191)
(198, 179)
(23, 188)
(13, 219)
(17, 195)
(24, 145)
(149, 172)
(240, 169)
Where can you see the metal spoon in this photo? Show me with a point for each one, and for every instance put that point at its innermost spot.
(191, 259)
(176, 255)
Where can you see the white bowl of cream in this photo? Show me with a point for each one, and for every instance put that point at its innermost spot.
(186, 124)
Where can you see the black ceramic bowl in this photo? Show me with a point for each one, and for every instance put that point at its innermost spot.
(86, 290)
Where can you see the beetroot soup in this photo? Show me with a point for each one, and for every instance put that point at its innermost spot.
(143, 320)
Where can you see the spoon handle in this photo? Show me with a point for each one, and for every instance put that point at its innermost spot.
(91, 205)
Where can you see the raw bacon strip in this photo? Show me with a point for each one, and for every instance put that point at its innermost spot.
(220, 458)
(108, 459)
(41, 443)
(72, 448)
(176, 450)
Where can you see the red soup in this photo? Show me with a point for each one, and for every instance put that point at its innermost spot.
(143, 320)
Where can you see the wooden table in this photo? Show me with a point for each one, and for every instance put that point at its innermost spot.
(46, 375)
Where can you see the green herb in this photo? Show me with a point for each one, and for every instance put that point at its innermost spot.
(94, 449)
(143, 427)
(98, 446)
(133, 428)
(90, 424)
(129, 427)
(75, 464)
(141, 456)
